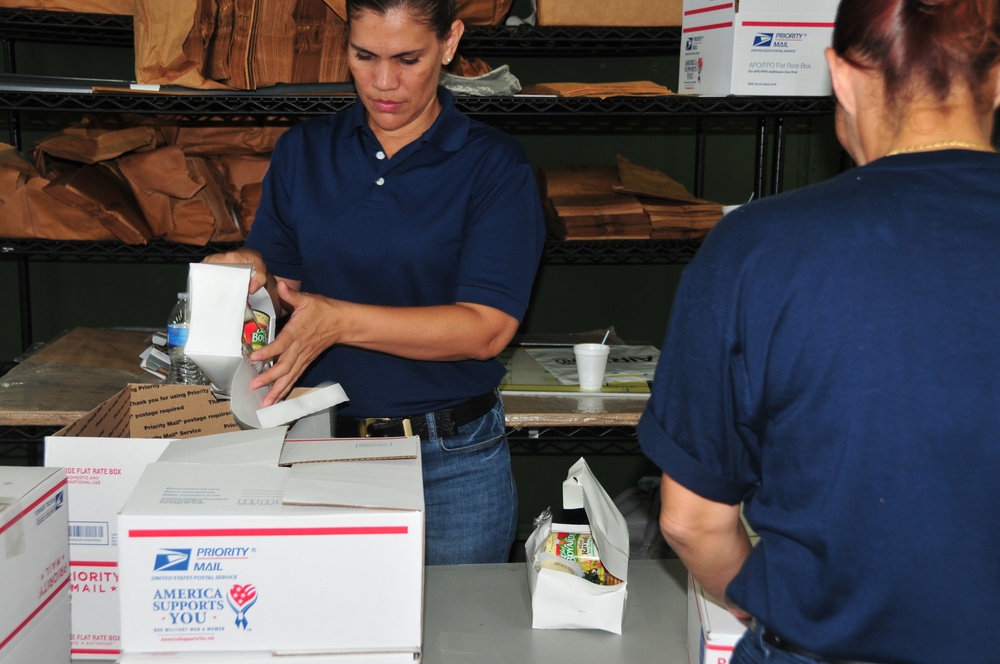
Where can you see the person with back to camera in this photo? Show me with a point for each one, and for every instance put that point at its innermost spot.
(403, 239)
(832, 362)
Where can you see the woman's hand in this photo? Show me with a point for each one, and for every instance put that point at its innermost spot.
(309, 331)
(258, 273)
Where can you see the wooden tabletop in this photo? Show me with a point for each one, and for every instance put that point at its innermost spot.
(82, 368)
(71, 375)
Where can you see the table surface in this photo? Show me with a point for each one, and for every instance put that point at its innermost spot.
(79, 370)
(482, 614)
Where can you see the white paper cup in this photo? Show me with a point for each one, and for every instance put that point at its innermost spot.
(591, 362)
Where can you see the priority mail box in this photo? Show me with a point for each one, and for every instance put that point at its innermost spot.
(104, 453)
(756, 47)
(712, 630)
(324, 556)
(34, 566)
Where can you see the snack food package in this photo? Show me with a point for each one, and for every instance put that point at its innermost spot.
(578, 575)
(577, 554)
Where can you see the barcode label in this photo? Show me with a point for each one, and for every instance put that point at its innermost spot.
(88, 532)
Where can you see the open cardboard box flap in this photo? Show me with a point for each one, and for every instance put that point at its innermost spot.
(324, 476)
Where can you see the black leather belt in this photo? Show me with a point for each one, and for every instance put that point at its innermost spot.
(776, 641)
(446, 421)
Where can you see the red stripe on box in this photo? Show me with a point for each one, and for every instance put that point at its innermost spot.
(271, 532)
(32, 506)
(34, 613)
(692, 12)
(713, 26)
(93, 563)
(94, 651)
(787, 24)
(709, 646)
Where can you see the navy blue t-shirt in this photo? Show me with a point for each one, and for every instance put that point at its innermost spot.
(454, 216)
(833, 360)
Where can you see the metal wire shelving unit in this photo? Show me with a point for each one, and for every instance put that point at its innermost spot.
(524, 114)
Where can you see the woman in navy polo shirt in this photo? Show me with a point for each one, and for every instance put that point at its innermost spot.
(402, 238)
(832, 364)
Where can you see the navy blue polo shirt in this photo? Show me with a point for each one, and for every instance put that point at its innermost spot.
(454, 216)
(833, 360)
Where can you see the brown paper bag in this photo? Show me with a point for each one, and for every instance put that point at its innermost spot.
(243, 175)
(157, 178)
(171, 46)
(215, 199)
(88, 143)
(210, 140)
(28, 212)
(100, 193)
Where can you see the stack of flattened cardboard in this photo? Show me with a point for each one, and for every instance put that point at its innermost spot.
(674, 213)
(580, 203)
(238, 44)
(600, 90)
(623, 202)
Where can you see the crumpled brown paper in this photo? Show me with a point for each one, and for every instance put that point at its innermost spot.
(26, 211)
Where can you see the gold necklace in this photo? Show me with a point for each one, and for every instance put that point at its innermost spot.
(942, 144)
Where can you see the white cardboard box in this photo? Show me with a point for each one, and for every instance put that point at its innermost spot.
(712, 630)
(564, 601)
(104, 454)
(101, 473)
(318, 557)
(34, 566)
(756, 47)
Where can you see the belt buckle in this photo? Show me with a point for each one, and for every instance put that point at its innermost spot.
(368, 421)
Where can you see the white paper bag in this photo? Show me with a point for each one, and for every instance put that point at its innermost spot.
(560, 600)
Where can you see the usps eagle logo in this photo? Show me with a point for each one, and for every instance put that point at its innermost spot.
(172, 560)
(241, 598)
(763, 39)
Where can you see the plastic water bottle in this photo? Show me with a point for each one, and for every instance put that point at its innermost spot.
(183, 371)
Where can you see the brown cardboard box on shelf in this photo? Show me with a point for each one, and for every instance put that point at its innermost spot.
(638, 13)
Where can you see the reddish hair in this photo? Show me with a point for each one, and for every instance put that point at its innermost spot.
(921, 45)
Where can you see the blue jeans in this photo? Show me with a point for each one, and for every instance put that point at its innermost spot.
(752, 649)
(469, 493)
